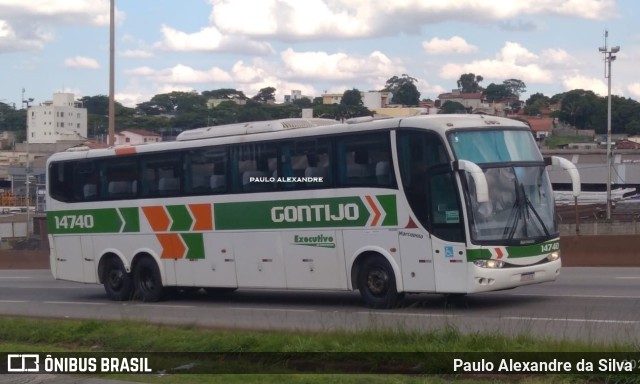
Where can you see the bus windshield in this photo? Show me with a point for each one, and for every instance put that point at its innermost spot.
(494, 146)
(521, 203)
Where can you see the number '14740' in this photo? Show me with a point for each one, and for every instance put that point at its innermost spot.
(74, 221)
(550, 247)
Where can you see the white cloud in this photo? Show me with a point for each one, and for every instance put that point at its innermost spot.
(597, 85)
(456, 44)
(634, 89)
(208, 39)
(338, 66)
(78, 12)
(311, 19)
(181, 74)
(513, 61)
(81, 62)
(29, 25)
(558, 58)
(140, 71)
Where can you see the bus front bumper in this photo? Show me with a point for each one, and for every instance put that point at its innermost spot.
(489, 279)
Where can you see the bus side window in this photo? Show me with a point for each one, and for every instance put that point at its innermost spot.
(365, 160)
(207, 171)
(256, 167)
(309, 159)
(162, 175)
(119, 177)
(60, 186)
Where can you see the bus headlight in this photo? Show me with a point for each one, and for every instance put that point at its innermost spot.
(491, 263)
(553, 256)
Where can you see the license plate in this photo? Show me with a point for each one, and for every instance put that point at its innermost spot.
(529, 276)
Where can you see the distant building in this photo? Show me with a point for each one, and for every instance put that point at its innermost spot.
(136, 136)
(295, 95)
(471, 101)
(540, 126)
(370, 99)
(7, 139)
(55, 120)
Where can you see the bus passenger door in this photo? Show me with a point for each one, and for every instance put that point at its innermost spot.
(417, 260)
(447, 232)
(313, 259)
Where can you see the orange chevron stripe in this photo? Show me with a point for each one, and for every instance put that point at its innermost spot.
(125, 150)
(375, 211)
(157, 218)
(499, 253)
(172, 246)
(203, 216)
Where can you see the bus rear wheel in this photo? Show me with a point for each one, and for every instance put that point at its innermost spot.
(147, 280)
(117, 282)
(377, 283)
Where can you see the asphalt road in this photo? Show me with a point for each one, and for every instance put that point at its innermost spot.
(590, 304)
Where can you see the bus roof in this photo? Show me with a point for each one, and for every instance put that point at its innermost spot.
(297, 127)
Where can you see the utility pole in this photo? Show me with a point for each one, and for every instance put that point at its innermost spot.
(608, 58)
(112, 104)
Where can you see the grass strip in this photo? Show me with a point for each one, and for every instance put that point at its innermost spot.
(339, 350)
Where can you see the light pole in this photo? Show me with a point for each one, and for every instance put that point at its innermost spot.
(608, 58)
(112, 106)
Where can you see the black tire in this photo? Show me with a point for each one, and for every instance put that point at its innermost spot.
(117, 282)
(147, 280)
(377, 283)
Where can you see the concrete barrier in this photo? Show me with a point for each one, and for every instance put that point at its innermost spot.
(600, 251)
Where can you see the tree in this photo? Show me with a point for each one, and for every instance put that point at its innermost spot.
(496, 92)
(515, 87)
(470, 83)
(351, 97)
(450, 107)
(224, 93)
(178, 102)
(303, 102)
(577, 108)
(403, 89)
(265, 95)
(535, 103)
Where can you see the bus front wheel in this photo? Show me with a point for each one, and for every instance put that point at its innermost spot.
(377, 283)
(117, 282)
(147, 280)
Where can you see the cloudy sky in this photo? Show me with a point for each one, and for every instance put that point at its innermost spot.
(315, 46)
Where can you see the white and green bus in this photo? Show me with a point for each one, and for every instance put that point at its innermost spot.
(451, 204)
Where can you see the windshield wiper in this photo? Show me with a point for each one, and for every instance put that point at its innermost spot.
(521, 207)
(535, 212)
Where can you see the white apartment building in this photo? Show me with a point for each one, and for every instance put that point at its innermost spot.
(55, 120)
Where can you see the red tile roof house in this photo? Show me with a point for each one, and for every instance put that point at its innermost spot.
(472, 101)
(540, 126)
(136, 136)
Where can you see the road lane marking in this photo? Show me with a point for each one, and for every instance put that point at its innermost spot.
(13, 301)
(73, 302)
(598, 321)
(270, 309)
(15, 277)
(577, 296)
(404, 314)
(163, 306)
